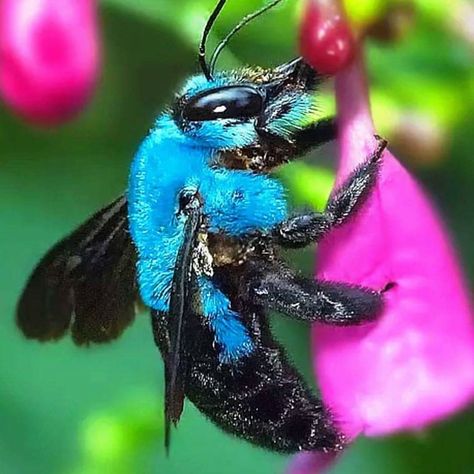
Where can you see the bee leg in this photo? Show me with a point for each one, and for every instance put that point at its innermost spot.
(303, 140)
(314, 135)
(302, 230)
(276, 287)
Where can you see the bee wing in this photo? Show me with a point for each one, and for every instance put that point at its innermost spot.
(180, 305)
(86, 282)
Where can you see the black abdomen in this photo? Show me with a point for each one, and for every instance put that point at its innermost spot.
(262, 398)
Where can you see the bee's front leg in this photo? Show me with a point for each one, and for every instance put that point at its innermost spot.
(279, 150)
(302, 230)
(314, 135)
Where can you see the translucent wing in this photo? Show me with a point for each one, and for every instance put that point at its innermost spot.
(180, 306)
(86, 282)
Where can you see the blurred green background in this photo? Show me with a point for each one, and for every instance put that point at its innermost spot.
(65, 410)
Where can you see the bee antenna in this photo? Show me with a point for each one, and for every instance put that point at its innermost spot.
(202, 45)
(247, 19)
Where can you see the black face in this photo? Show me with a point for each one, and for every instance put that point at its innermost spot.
(238, 102)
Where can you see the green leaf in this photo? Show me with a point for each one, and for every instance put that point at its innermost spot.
(308, 185)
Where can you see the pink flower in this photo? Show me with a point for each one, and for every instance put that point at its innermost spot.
(415, 365)
(49, 57)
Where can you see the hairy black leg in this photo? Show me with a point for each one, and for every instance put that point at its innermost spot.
(284, 150)
(314, 135)
(304, 229)
(274, 286)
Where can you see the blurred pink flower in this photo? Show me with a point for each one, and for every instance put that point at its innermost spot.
(312, 462)
(49, 57)
(416, 364)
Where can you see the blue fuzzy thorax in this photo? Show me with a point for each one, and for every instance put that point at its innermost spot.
(235, 202)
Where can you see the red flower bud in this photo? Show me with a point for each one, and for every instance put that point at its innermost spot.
(326, 39)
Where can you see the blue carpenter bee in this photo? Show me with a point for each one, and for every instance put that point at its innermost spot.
(197, 238)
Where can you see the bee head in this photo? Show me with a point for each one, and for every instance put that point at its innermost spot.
(248, 107)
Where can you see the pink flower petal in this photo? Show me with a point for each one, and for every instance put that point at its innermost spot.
(49, 57)
(312, 462)
(416, 364)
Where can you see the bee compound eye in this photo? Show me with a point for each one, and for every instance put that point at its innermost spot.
(237, 102)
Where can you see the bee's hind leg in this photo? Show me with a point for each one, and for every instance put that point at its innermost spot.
(274, 286)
